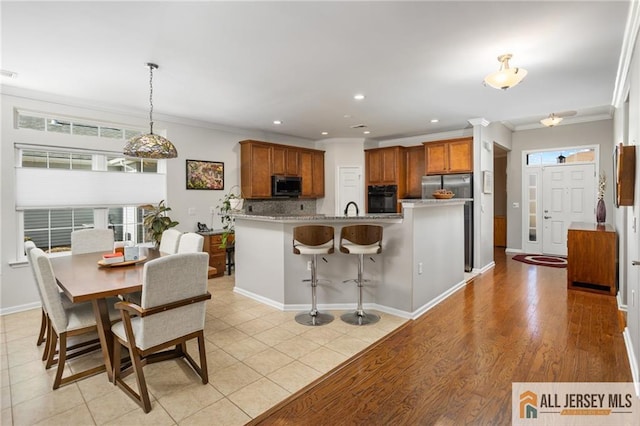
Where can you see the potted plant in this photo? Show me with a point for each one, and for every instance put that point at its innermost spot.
(156, 221)
(230, 202)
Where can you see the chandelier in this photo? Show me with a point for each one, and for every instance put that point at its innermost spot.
(150, 145)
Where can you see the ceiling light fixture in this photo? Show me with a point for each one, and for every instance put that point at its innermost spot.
(358, 97)
(505, 77)
(324, 133)
(276, 122)
(366, 132)
(150, 145)
(434, 120)
(551, 121)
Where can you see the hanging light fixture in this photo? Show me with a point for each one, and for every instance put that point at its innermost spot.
(150, 145)
(505, 77)
(551, 121)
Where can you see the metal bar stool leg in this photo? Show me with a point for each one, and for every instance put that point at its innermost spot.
(359, 317)
(314, 317)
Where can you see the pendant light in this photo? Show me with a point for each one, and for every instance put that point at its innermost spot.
(150, 145)
(505, 77)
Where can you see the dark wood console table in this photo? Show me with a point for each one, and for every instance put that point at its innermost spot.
(591, 257)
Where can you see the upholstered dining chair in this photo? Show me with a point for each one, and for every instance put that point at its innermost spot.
(169, 241)
(92, 241)
(190, 242)
(171, 312)
(44, 322)
(64, 322)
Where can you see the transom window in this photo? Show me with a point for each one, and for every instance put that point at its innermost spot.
(43, 123)
(577, 155)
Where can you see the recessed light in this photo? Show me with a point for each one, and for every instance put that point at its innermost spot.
(434, 120)
(277, 122)
(366, 132)
(358, 97)
(324, 133)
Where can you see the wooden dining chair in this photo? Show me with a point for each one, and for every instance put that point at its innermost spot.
(64, 322)
(169, 241)
(190, 242)
(171, 312)
(92, 241)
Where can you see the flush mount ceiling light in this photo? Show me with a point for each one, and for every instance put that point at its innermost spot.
(358, 97)
(277, 122)
(551, 120)
(505, 77)
(556, 117)
(150, 145)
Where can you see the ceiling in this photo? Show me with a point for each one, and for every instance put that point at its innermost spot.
(246, 64)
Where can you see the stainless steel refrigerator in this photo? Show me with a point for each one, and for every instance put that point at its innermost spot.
(462, 186)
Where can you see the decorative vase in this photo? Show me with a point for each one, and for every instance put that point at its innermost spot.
(601, 212)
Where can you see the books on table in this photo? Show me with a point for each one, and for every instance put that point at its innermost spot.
(109, 258)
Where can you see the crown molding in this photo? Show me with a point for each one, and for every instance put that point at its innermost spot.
(621, 87)
(479, 121)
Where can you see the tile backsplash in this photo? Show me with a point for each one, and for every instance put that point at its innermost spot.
(290, 206)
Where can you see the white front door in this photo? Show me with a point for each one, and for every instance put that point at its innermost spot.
(568, 195)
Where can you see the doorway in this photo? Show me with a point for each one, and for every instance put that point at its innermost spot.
(350, 188)
(499, 196)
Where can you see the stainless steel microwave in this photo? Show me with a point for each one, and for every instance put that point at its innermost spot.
(286, 186)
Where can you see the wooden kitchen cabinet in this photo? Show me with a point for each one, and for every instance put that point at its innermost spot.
(284, 160)
(311, 167)
(260, 160)
(255, 169)
(415, 170)
(217, 255)
(450, 156)
(385, 166)
(591, 257)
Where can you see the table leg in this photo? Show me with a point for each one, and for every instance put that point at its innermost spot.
(104, 333)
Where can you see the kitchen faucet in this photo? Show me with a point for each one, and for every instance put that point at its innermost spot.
(346, 209)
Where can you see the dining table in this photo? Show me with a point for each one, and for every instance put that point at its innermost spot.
(84, 280)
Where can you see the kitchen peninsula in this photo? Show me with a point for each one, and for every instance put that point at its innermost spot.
(422, 260)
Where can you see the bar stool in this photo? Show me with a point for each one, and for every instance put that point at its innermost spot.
(313, 240)
(360, 240)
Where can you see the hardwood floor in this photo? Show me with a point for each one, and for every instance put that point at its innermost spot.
(456, 363)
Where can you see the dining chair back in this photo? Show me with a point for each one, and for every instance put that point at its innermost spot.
(92, 241)
(190, 242)
(44, 322)
(171, 312)
(169, 241)
(64, 322)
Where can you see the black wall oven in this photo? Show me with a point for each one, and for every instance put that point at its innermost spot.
(383, 198)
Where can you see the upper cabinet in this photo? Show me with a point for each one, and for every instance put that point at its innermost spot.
(450, 156)
(311, 166)
(415, 170)
(284, 160)
(260, 160)
(255, 169)
(385, 166)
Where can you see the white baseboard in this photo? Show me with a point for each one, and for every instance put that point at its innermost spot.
(20, 308)
(633, 360)
(259, 298)
(621, 306)
(509, 250)
(485, 268)
(426, 307)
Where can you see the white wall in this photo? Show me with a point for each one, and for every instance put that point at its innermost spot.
(339, 152)
(194, 141)
(593, 133)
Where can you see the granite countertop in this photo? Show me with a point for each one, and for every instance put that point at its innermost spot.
(288, 217)
(433, 200)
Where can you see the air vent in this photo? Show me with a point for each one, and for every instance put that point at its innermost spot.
(359, 126)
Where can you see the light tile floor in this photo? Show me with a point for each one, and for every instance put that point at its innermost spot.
(257, 356)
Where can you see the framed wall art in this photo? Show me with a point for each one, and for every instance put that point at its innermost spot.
(205, 174)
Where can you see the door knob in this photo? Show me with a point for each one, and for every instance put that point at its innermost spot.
(635, 262)
(547, 217)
